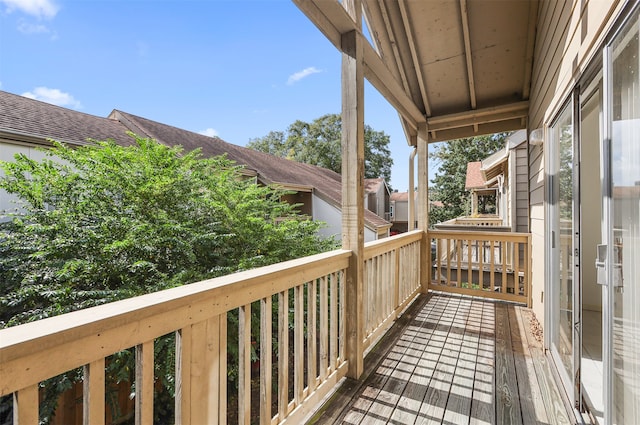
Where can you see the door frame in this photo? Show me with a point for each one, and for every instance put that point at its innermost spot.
(571, 383)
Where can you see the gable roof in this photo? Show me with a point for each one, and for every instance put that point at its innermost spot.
(402, 196)
(373, 185)
(28, 120)
(474, 178)
(32, 121)
(271, 169)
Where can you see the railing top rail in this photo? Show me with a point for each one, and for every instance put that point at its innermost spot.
(374, 248)
(479, 235)
(115, 326)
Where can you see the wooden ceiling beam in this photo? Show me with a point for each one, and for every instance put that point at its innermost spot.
(463, 132)
(478, 116)
(464, 16)
(394, 44)
(414, 56)
(528, 59)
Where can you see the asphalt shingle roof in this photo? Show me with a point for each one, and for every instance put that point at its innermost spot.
(24, 116)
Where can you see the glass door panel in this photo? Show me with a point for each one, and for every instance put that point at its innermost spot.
(624, 225)
(562, 217)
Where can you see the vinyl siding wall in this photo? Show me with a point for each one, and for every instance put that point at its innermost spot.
(569, 35)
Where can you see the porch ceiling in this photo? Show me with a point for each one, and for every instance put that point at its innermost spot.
(463, 66)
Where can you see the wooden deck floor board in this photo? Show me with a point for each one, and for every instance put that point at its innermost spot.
(460, 360)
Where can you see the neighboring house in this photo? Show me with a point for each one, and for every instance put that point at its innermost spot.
(26, 124)
(400, 208)
(400, 211)
(377, 197)
(499, 189)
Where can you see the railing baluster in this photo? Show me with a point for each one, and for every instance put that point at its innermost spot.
(222, 378)
(481, 264)
(265, 360)
(459, 258)
(398, 278)
(25, 406)
(380, 269)
(324, 331)
(448, 262)
(492, 267)
(343, 314)
(438, 261)
(144, 383)
(183, 376)
(205, 370)
(333, 322)
(93, 393)
(244, 365)
(367, 307)
(469, 263)
(503, 249)
(298, 335)
(516, 267)
(283, 354)
(312, 345)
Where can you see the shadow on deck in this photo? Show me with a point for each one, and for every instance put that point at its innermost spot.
(455, 360)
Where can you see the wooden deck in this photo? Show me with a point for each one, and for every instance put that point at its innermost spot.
(454, 360)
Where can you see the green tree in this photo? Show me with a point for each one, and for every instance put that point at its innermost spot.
(448, 184)
(319, 143)
(104, 222)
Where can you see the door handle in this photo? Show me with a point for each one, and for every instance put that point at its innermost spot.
(601, 266)
(601, 258)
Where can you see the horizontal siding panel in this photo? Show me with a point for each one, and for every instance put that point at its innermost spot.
(537, 214)
(537, 196)
(584, 26)
(550, 52)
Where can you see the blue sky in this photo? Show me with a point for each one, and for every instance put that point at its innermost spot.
(235, 69)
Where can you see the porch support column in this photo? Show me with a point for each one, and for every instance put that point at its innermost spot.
(423, 204)
(353, 186)
(411, 195)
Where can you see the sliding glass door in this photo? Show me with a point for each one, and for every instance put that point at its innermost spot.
(622, 225)
(563, 197)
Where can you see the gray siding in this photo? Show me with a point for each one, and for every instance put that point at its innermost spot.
(568, 36)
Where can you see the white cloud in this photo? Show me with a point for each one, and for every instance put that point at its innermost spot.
(53, 96)
(294, 78)
(38, 8)
(209, 132)
(27, 28)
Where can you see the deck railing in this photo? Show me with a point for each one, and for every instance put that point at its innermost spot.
(487, 264)
(290, 317)
(311, 290)
(391, 281)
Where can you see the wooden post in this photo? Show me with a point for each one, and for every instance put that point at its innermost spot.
(411, 196)
(352, 185)
(423, 205)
